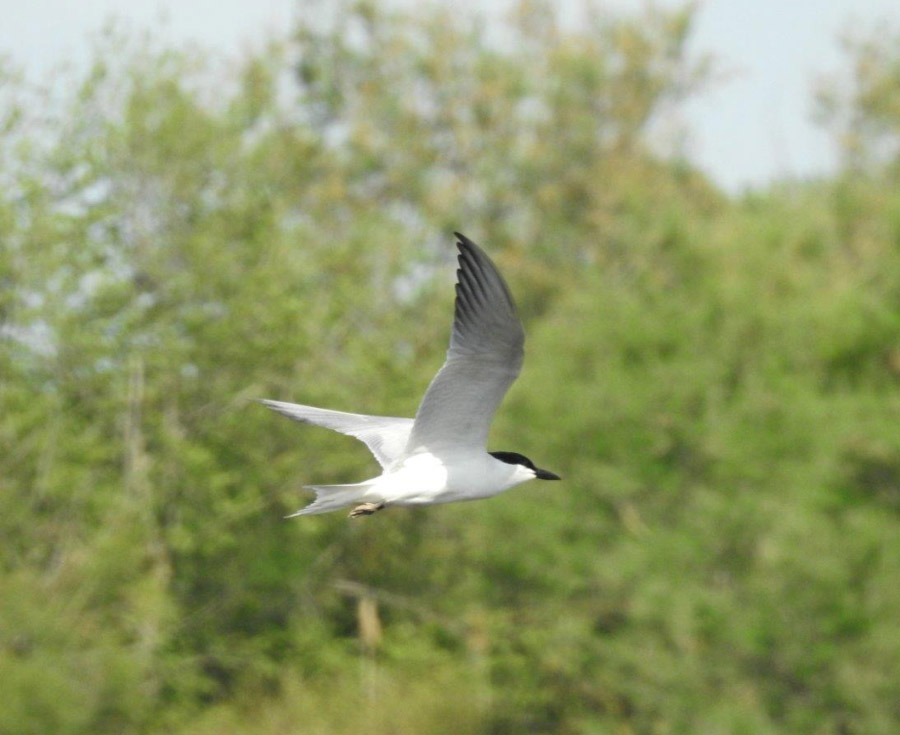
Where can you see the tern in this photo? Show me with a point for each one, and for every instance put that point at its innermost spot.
(441, 455)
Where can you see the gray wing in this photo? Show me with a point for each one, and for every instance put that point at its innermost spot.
(385, 436)
(485, 357)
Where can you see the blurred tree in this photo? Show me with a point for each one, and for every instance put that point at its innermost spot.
(862, 105)
(178, 238)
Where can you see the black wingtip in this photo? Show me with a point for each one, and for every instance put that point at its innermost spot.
(468, 247)
(462, 240)
(479, 269)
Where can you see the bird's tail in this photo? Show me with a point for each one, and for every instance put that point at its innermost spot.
(334, 497)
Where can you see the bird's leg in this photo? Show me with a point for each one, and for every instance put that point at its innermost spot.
(366, 509)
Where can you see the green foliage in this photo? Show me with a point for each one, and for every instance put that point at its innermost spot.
(862, 105)
(715, 379)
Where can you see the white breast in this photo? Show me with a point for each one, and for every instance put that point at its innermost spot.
(425, 478)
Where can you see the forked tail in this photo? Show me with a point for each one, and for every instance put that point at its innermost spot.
(334, 497)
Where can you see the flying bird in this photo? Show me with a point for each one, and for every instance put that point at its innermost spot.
(441, 455)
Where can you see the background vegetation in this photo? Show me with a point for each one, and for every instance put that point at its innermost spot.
(715, 377)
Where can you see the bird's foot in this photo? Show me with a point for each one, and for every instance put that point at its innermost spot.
(366, 509)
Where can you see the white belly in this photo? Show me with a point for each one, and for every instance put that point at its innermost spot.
(425, 478)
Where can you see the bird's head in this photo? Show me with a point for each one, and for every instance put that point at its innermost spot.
(526, 465)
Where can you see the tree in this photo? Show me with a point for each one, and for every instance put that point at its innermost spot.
(862, 106)
(713, 378)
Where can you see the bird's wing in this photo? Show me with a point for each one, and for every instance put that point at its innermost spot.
(485, 357)
(385, 436)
